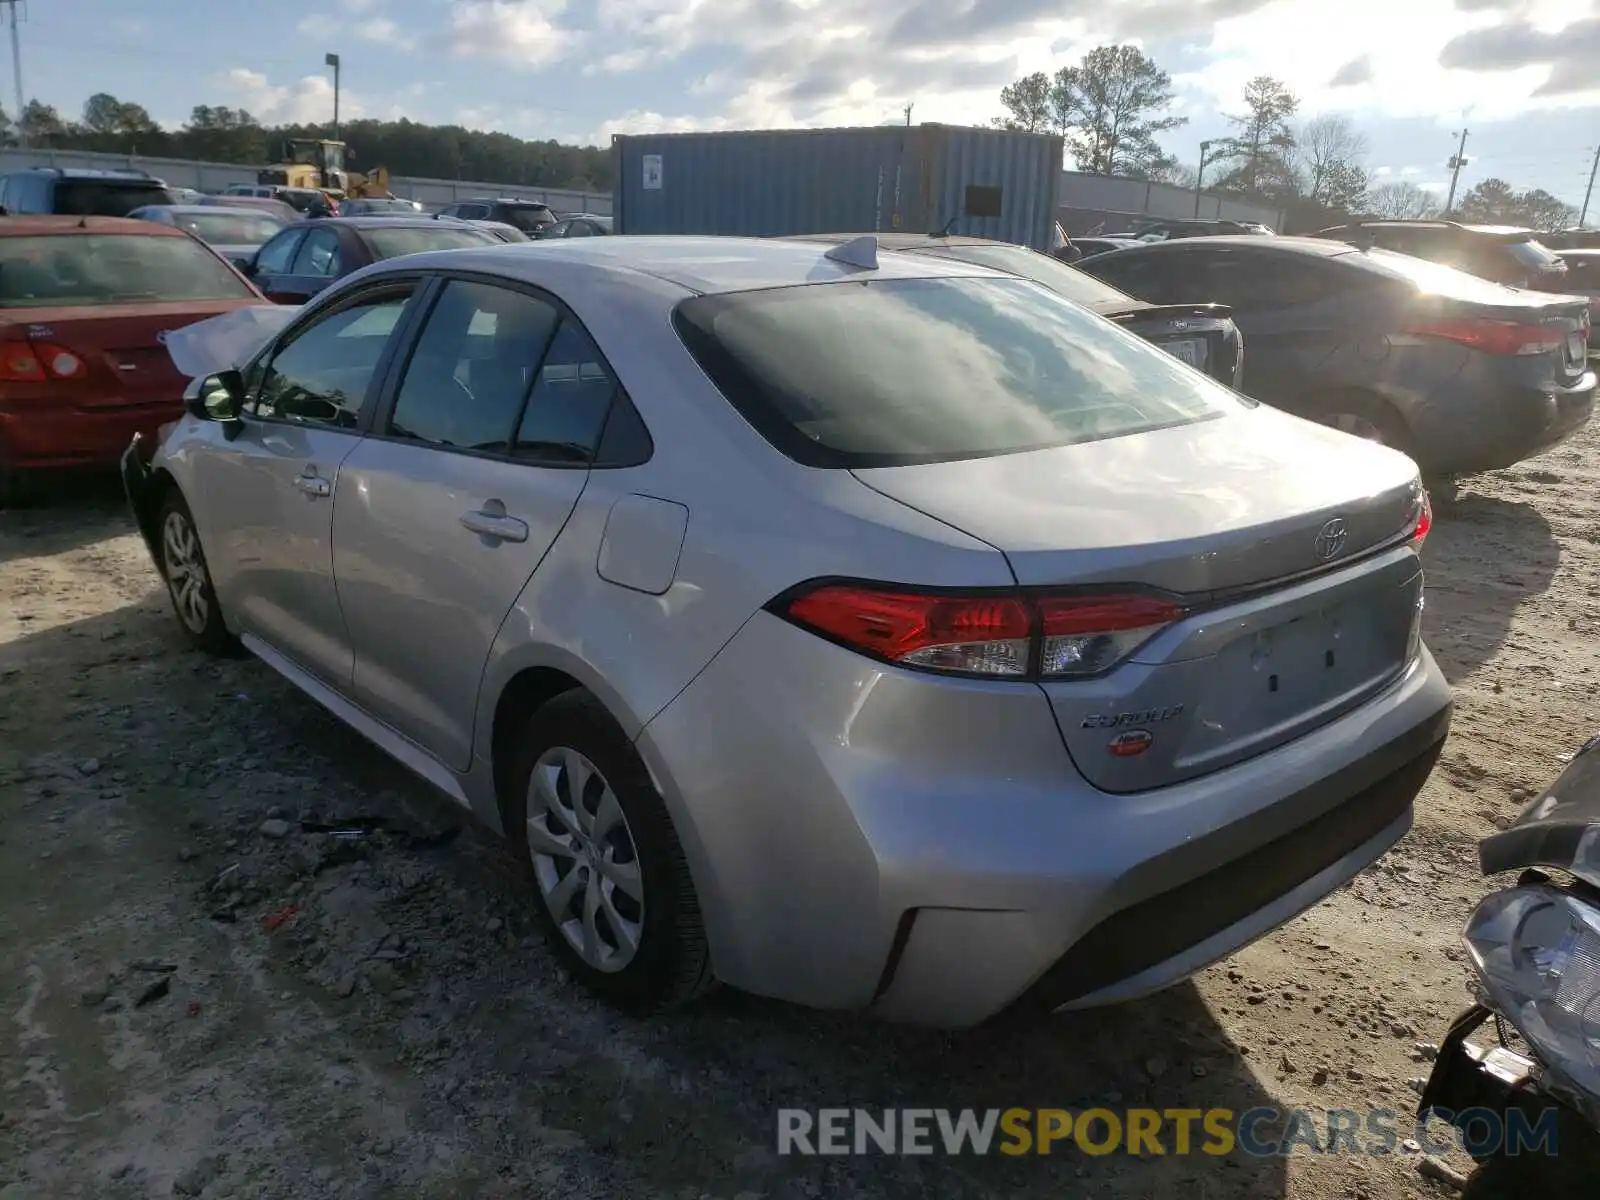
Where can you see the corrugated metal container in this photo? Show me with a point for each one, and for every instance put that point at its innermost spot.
(982, 182)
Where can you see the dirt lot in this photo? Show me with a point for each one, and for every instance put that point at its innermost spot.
(200, 995)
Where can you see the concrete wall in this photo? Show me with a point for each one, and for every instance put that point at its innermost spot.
(214, 177)
(1115, 197)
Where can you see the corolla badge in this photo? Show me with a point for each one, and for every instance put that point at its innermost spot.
(1330, 540)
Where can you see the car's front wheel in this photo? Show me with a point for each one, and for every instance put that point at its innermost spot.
(183, 566)
(614, 894)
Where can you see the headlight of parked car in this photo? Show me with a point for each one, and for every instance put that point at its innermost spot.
(1538, 952)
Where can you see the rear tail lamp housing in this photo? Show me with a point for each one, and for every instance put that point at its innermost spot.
(36, 362)
(1511, 338)
(1421, 520)
(993, 635)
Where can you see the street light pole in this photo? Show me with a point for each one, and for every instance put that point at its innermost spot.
(1199, 176)
(332, 60)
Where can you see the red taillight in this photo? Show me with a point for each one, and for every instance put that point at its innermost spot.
(34, 362)
(1422, 522)
(1494, 337)
(1010, 635)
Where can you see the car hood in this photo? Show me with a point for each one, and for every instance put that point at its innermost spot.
(1561, 829)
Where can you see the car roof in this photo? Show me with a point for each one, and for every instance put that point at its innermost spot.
(902, 241)
(90, 173)
(707, 265)
(198, 209)
(1315, 246)
(40, 224)
(391, 222)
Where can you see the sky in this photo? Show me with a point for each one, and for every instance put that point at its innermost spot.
(1519, 75)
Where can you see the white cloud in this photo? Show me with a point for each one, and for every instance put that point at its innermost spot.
(522, 32)
(317, 25)
(384, 32)
(303, 101)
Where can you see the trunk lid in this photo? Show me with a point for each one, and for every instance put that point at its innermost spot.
(1563, 319)
(1273, 530)
(1202, 335)
(121, 346)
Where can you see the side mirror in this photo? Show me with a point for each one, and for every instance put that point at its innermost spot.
(220, 398)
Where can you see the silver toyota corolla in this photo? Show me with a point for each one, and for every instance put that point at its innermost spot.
(869, 633)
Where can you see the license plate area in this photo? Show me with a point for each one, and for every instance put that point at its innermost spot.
(1188, 350)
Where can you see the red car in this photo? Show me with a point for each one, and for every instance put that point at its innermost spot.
(85, 305)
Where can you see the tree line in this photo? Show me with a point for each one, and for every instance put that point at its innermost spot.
(218, 133)
(1111, 107)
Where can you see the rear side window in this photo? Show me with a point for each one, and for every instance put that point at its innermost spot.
(891, 372)
(105, 198)
(569, 402)
(1254, 282)
(94, 268)
(527, 217)
(1533, 255)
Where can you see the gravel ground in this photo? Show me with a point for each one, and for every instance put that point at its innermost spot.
(244, 955)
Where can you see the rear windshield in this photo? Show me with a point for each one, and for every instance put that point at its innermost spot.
(1427, 276)
(1533, 254)
(352, 207)
(392, 243)
(238, 227)
(93, 268)
(891, 372)
(105, 198)
(1041, 268)
(529, 218)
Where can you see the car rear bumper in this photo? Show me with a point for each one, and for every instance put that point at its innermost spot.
(1465, 434)
(865, 837)
(77, 436)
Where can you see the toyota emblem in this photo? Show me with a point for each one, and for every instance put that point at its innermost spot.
(1330, 540)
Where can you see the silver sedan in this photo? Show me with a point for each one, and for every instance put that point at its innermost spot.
(876, 633)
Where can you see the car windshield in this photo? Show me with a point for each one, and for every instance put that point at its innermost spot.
(106, 198)
(1533, 254)
(223, 228)
(1434, 279)
(1041, 268)
(530, 218)
(892, 372)
(392, 243)
(93, 268)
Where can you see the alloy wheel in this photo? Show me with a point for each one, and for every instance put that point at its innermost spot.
(585, 860)
(186, 572)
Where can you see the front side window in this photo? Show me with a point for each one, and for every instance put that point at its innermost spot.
(321, 376)
(900, 371)
(474, 362)
(80, 269)
(319, 254)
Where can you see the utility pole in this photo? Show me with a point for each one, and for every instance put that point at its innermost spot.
(1589, 191)
(909, 107)
(332, 60)
(1457, 161)
(16, 70)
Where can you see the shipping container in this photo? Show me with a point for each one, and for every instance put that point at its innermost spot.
(981, 182)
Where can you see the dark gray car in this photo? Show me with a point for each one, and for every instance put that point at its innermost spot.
(1462, 374)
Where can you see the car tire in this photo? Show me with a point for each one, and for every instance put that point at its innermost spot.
(188, 578)
(18, 489)
(613, 893)
(1362, 415)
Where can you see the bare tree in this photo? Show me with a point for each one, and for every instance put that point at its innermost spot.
(1261, 148)
(1324, 147)
(1177, 174)
(1027, 104)
(1109, 109)
(1401, 201)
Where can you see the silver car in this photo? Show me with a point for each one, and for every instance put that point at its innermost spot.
(875, 633)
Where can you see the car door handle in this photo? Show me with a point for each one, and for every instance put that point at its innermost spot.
(496, 525)
(313, 485)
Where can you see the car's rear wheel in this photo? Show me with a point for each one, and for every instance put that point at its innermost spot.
(614, 894)
(1363, 416)
(183, 566)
